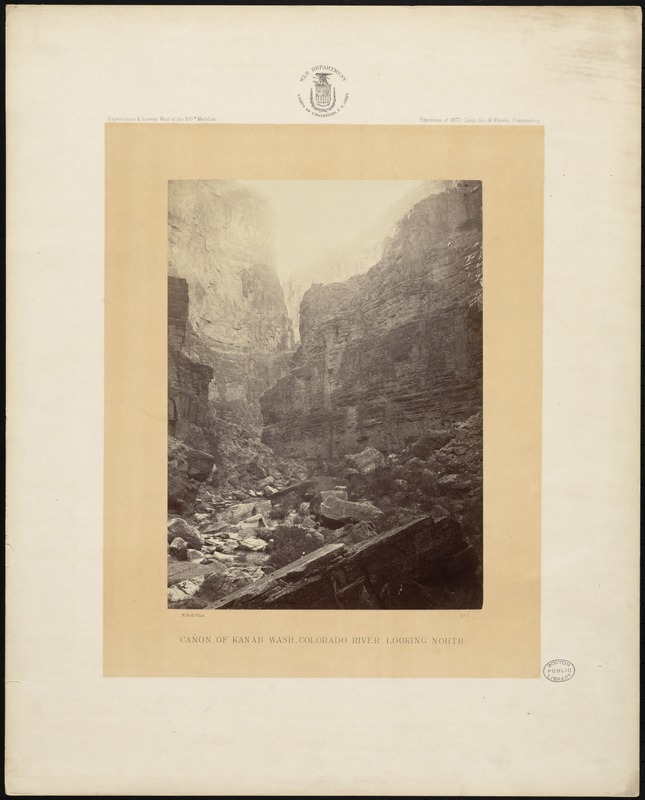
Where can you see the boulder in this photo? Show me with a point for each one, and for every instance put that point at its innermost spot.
(218, 530)
(175, 594)
(336, 510)
(200, 464)
(266, 481)
(262, 506)
(236, 513)
(319, 499)
(366, 461)
(194, 555)
(438, 513)
(181, 491)
(190, 534)
(178, 548)
(251, 543)
(219, 557)
(191, 586)
(269, 491)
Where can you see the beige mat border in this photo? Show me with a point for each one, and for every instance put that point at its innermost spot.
(142, 637)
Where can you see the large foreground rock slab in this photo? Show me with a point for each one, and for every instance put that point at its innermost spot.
(421, 564)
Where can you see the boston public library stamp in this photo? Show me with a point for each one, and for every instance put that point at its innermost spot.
(559, 670)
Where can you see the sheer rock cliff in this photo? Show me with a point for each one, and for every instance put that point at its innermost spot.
(229, 338)
(342, 263)
(393, 352)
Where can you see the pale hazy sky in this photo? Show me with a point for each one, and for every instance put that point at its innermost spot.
(314, 217)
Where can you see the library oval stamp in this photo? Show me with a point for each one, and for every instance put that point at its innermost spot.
(559, 670)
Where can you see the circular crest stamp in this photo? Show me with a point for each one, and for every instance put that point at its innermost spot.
(559, 670)
(323, 91)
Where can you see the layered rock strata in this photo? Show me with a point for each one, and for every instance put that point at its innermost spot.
(220, 242)
(387, 355)
(229, 336)
(357, 258)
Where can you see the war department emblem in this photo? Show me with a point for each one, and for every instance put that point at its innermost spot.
(327, 94)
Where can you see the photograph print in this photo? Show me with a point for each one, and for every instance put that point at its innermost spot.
(325, 373)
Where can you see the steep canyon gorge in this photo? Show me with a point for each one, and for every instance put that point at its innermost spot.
(229, 336)
(344, 471)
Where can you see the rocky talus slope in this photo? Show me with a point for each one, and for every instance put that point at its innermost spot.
(396, 531)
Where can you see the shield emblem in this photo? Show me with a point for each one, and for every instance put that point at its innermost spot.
(323, 95)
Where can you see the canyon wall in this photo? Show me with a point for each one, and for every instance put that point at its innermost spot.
(220, 242)
(188, 380)
(393, 352)
(357, 258)
(229, 336)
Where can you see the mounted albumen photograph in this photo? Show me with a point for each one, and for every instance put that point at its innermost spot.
(325, 443)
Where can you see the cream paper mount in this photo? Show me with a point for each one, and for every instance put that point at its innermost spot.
(70, 69)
